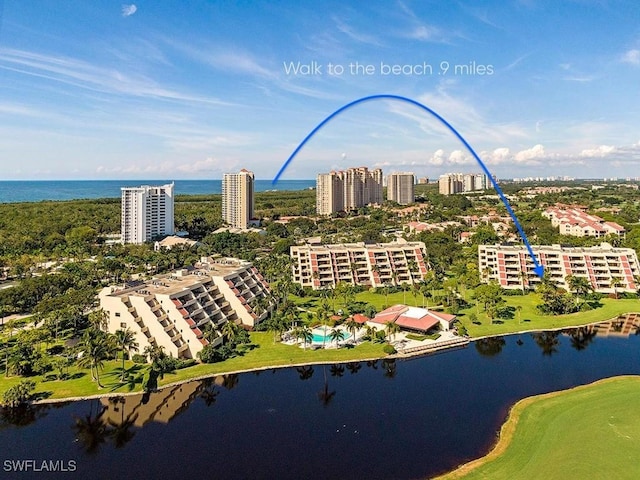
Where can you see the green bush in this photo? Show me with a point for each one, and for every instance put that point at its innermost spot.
(137, 358)
(389, 349)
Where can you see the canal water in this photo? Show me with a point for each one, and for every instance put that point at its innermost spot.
(410, 418)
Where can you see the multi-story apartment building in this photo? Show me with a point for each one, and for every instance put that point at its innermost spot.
(348, 190)
(323, 266)
(238, 198)
(400, 188)
(146, 213)
(575, 221)
(452, 183)
(172, 311)
(608, 269)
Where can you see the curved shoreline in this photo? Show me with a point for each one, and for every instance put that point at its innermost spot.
(302, 364)
(509, 427)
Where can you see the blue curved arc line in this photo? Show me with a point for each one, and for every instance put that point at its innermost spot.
(539, 269)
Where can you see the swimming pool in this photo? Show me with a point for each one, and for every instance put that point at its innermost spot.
(323, 336)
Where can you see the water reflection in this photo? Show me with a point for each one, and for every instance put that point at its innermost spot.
(461, 387)
(489, 347)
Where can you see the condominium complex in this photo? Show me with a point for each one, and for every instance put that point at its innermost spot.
(348, 190)
(451, 183)
(575, 221)
(172, 311)
(608, 269)
(400, 188)
(147, 213)
(323, 266)
(238, 198)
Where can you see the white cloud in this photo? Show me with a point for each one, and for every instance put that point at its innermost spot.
(631, 56)
(531, 155)
(458, 157)
(128, 10)
(599, 152)
(437, 158)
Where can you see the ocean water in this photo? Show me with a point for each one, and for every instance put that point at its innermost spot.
(36, 191)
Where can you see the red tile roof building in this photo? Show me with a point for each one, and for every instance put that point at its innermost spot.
(600, 265)
(574, 221)
(324, 266)
(414, 318)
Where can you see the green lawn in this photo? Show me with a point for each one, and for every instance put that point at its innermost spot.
(269, 353)
(266, 354)
(529, 318)
(587, 432)
(526, 319)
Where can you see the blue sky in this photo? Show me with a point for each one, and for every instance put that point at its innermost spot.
(177, 90)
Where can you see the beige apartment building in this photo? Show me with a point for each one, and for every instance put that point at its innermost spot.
(173, 310)
(348, 190)
(608, 269)
(238, 198)
(323, 266)
(452, 183)
(575, 221)
(401, 188)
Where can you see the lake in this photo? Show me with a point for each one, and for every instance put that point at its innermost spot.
(410, 418)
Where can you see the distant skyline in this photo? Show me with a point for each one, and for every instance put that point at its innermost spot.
(192, 90)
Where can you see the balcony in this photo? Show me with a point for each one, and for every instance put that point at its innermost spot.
(169, 326)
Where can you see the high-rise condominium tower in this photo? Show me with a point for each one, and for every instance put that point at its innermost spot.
(348, 190)
(147, 212)
(400, 188)
(238, 198)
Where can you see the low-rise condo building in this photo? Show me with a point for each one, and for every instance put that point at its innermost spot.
(174, 310)
(323, 266)
(576, 222)
(607, 269)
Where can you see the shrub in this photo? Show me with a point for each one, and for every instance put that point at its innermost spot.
(19, 394)
(137, 358)
(389, 349)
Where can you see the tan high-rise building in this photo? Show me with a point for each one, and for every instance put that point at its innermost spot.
(329, 193)
(400, 188)
(238, 198)
(348, 190)
(146, 213)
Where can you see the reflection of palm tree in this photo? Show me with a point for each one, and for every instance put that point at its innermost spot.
(305, 372)
(372, 364)
(121, 431)
(230, 381)
(581, 337)
(547, 341)
(325, 395)
(354, 367)
(92, 431)
(490, 346)
(337, 370)
(209, 392)
(389, 365)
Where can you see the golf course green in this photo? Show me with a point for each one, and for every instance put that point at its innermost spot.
(591, 431)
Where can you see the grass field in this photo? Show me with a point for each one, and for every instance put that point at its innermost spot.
(528, 318)
(588, 432)
(266, 354)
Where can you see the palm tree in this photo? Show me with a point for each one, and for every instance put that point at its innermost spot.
(616, 282)
(97, 347)
(353, 327)
(305, 333)
(519, 310)
(523, 279)
(230, 331)
(579, 285)
(370, 331)
(126, 339)
(336, 335)
(99, 319)
(392, 328)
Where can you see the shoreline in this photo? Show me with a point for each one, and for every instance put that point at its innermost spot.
(509, 428)
(395, 356)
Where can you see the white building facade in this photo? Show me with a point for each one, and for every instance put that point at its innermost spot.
(147, 212)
